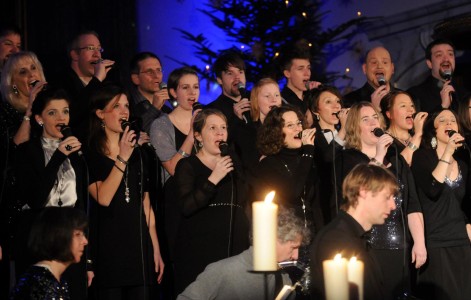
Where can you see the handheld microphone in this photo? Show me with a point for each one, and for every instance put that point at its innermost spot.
(378, 132)
(300, 134)
(163, 85)
(336, 114)
(451, 133)
(125, 123)
(381, 80)
(224, 148)
(99, 62)
(197, 106)
(66, 132)
(243, 94)
(447, 75)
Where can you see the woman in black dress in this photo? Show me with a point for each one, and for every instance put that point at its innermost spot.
(211, 198)
(49, 173)
(390, 242)
(441, 171)
(329, 118)
(125, 245)
(288, 167)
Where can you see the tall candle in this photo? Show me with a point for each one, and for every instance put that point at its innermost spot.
(355, 274)
(336, 278)
(265, 234)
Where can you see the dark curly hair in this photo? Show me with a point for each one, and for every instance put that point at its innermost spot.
(270, 137)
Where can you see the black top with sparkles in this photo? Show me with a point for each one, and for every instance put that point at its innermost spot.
(38, 283)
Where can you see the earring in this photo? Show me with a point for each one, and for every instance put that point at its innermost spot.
(103, 124)
(15, 90)
(433, 142)
(200, 144)
(318, 118)
(41, 124)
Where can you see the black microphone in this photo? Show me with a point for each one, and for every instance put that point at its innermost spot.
(224, 148)
(243, 94)
(66, 132)
(378, 132)
(163, 85)
(336, 114)
(381, 80)
(451, 133)
(197, 106)
(447, 75)
(125, 123)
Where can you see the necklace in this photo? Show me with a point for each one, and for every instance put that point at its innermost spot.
(59, 183)
(302, 196)
(127, 198)
(404, 142)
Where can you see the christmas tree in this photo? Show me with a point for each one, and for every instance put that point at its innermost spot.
(267, 28)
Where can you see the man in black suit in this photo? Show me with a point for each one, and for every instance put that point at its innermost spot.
(438, 90)
(378, 69)
(369, 191)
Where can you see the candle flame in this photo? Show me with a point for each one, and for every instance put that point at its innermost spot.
(353, 259)
(338, 257)
(269, 197)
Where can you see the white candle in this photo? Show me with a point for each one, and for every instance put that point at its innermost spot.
(336, 278)
(355, 274)
(265, 234)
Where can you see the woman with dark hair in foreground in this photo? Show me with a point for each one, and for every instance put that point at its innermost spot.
(56, 241)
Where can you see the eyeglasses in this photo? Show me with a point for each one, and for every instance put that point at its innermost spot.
(92, 48)
(292, 126)
(152, 73)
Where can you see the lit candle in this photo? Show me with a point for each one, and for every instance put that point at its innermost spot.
(355, 274)
(265, 234)
(336, 278)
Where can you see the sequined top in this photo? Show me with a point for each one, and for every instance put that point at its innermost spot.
(38, 283)
(390, 235)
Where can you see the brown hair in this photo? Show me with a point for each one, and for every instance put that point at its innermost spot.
(270, 136)
(368, 177)
(388, 102)
(200, 121)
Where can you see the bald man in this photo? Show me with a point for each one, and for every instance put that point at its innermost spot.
(378, 69)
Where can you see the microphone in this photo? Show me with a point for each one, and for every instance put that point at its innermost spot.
(447, 75)
(224, 148)
(336, 114)
(163, 85)
(300, 134)
(99, 62)
(451, 133)
(243, 94)
(381, 80)
(197, 106)
(125, 123)
(378, 132)
(66, 132)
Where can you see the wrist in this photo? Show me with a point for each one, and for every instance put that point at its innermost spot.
(376, 162)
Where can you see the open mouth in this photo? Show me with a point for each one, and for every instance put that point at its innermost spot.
(33, 83)
(60, 126)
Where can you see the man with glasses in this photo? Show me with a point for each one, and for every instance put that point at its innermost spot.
(86, 73)
(10, 43)
(148, 96)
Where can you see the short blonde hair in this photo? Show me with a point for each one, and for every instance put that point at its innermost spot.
(9, 69)
(367, 177)
(352, 126)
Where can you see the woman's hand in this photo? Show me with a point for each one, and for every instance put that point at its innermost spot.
(69, 145)
(454, 142)
(159, 266)
(419, 121)
(127, 143)
(32, 95)
(342, 115)
(223, 166)
(143, 138)
(308, 136)
(382, 146)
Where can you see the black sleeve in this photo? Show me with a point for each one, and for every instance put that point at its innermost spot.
(423, 164)
(191, 196)
(36, 181)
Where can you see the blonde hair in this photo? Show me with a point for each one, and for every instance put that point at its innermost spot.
(254, 107)
(10, 68)
(352, 126)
